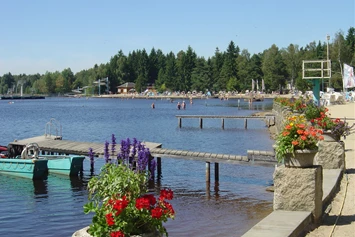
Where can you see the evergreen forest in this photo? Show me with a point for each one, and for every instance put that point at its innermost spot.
(229, 70)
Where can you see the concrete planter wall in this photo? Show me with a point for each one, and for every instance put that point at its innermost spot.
(299, 189)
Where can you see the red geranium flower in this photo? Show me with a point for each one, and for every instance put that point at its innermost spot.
(109, 219)
(157, 212)
(117, 234)
(142, 202)
(166, 194)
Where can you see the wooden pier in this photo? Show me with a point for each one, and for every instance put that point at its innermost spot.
(269, 119)
(55, 145)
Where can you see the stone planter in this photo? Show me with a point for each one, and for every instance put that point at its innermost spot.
(301, 159)
(83, 233)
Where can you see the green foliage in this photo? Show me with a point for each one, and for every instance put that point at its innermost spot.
(312, 111)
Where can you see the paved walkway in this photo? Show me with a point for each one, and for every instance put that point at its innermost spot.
(340, 222)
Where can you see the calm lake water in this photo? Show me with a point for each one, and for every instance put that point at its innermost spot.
(54, 207)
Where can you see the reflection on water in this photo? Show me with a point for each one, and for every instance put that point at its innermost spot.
(54, 207)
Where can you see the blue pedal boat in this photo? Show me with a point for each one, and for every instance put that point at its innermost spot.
(25, 168)
(65, 165)
(57, 164)
(70, 165)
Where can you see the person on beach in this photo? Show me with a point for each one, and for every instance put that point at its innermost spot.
(178, 105)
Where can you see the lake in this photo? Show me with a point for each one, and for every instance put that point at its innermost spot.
(54, 207)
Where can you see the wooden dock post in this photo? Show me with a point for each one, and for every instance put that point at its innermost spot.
(245, 123)
(159, 168)
(208, 190)
(201, 122)
(216, 172)
(208, 171)
(222, 123)
(179, 122)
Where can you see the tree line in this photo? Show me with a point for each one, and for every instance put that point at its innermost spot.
(229, 70)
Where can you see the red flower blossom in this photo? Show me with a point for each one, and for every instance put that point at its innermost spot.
(304, 138)
(168, 208)
(151, 198)
(300, 132)
(117, 234)
(294, 142)
(142, 202)
(120, 205)
(157, 212)
(109, 219)
(166, 194)
(285, 133)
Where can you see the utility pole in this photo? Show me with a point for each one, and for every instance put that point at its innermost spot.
(328, 37)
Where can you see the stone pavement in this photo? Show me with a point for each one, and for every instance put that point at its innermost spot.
(340, 221)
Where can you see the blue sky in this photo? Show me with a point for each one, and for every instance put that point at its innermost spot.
(49, 35)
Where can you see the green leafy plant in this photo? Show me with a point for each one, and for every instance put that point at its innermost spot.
(298, 105)
(297, 134)
(313, 111)
(119, 195)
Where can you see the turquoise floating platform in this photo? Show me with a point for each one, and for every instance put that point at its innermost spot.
(30, 168)
(65, 165)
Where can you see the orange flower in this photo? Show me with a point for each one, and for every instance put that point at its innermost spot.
(303, 138)
(285, 133)
(301, 125)
(288, 127)
(295, 142)
(321, 138)
(300, 132)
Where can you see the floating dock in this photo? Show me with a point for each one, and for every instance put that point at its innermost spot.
(269, 119)
(33, 97)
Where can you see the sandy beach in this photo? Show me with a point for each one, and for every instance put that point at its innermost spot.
(340, 221)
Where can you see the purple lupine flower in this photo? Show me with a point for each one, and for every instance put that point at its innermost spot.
(142, 160)
(106, 152)
(123, 149)
(91, 156)
(113, 144)
(134, 147)
(140, 146)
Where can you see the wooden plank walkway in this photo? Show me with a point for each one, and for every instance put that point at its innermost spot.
(204, 156)
(56, 145)
(53, 144)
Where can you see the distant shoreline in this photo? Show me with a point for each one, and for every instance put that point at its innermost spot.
(239, 96)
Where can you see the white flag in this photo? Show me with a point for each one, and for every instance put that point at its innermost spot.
(348, 78)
